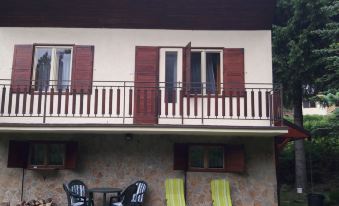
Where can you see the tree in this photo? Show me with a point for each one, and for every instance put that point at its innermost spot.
(329, 55)
(295, 64)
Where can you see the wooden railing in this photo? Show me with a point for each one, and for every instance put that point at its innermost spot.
(126, 102)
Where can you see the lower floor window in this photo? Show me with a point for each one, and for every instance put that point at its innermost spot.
(206, 157)
(46, 155)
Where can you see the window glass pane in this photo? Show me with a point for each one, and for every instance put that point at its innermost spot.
(312, 104)
(43, 67)
(171, 75)
(63, 65)
(56, 154)
(215, 157)
(196, 72)
(37, 154)
(196, 156)
(212, 71)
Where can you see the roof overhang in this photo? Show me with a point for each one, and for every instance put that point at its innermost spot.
(255, 131)
(294, 133)
(150, 14)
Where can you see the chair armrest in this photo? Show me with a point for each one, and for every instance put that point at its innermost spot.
(73, 194)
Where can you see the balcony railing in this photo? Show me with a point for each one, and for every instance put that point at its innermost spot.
(127, 102)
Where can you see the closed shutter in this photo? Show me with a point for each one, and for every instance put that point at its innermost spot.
(235, 158)
(146, 85)
(71, 155)
(82, 74)
(17, 154)
(180, 157)
(234, 79)
(22, 68)
(187, 68)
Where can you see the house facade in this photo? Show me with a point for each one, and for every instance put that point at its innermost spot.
(123, 91)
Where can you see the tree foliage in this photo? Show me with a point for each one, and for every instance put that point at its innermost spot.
(329, 55)
(305, 47)
(322, 151)
(304, 40)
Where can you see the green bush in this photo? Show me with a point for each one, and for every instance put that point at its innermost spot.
(334, 196)
(322, 151)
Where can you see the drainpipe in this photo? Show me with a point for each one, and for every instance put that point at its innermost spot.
(22, 184)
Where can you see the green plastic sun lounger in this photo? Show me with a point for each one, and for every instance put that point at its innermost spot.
(221, 193)
(175, 192)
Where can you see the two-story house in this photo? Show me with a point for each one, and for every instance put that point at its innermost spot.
(112, 91)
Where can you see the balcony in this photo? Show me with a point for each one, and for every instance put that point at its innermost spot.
(141, 103)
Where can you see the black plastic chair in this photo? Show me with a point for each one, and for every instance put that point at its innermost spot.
(77, 194)
(139, 197)
(133, 195)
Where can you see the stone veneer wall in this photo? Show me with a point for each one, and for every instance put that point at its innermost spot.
(110, 160)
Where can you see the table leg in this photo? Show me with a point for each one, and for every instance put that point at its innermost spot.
(104, 200)
(90, 199)
(119, 193)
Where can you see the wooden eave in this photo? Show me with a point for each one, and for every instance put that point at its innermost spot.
(294, 133)
(141, 14)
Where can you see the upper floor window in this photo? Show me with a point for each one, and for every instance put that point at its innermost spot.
(52, 66)
(171, 75)
(205, 71)
(38, 67)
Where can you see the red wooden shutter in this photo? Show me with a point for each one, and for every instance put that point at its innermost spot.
(82, 71)
(187, 68)
(71, 155)
(17, 154)
(180, 158)
(22, 68)
(146, 85)
(235, 158)
(234, 79)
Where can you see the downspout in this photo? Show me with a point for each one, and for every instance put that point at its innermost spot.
(22, 184)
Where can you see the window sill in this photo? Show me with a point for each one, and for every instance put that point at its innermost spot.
(207, 170)
(45, 167)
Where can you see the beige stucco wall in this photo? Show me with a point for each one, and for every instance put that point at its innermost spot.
(110, 160)
(115, 48)
(114, 60)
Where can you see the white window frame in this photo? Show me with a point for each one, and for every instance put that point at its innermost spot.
(53, 77)
(162, 65)
(203, 65)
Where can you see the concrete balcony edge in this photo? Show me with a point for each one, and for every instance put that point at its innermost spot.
(257, 131)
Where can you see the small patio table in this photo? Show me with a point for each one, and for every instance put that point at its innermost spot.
(104, 190)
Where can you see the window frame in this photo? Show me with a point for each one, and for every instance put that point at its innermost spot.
(206, 167)
(54, 47)
(46, 165)
(203, 52)
(162, 71)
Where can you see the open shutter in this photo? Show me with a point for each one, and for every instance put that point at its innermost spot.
(187, 68)
(235, 158)
(71, 155)
(146, 85)
(234, 79)
(17, 154)
(22, 68)
(82, 71)
(180, 158)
